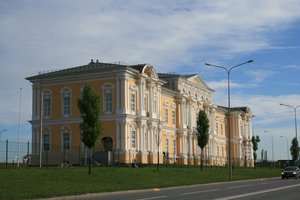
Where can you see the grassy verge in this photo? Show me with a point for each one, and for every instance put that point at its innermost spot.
(28, 183)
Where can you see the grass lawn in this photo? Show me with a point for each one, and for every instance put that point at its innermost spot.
(28, 183)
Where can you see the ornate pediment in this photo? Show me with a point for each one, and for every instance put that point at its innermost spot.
(197, 80)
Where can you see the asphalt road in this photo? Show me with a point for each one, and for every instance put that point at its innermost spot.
(274, 189)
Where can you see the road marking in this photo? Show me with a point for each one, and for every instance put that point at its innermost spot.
(158, 197)
(196, 192)
(240, 186)
(259, 192)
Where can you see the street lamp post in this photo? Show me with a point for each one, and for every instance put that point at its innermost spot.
(228, 70)
(287, 147)
(272, 145)
(41, 127)
(295, 111)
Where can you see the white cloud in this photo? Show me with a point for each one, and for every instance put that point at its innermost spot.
(259, 75)
(45, 35)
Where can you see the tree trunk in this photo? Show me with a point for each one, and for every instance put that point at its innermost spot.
(89, 161)
(201, 159)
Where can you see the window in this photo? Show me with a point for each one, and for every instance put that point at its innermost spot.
(133, 145)
(222, 129)
(166, 115)
(107, 98)
(132, 102)
(217, 127)
(66, 101)
(173, 117)
(222, 151)
(66, 141)
(242, 132)
(67, 105)
(46, 104)
(46, 140)
(167, 144)
(174, 146)
(146, 139)
(108, 102)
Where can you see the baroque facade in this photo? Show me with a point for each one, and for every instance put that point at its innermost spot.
(147, 116)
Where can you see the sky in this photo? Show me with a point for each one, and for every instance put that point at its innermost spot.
(171, 35)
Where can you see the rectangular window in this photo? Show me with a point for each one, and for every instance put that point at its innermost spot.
(222, 129)
(166, 115)
(66, 141)
(133, 139)
(46, 106)
(46, 140)
(67, 105)
(223, 152)
(173, 117)
(132, 102)
(146, 140)
(108, 102)
(167, 144)
(217, 127)
(174, 146)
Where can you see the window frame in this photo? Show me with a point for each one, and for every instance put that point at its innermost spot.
(108, 98)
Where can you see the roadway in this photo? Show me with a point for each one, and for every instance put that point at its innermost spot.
(274, 189)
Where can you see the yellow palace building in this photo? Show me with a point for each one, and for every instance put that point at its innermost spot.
(147, 116)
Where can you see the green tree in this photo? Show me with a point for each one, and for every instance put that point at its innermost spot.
(91, 127)
(255, 140)
(202, 132)
(294, 149)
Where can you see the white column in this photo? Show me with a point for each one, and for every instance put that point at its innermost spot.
(34, 101)
(140, 97)
(123, 93)
(127, 96)
(118, 135)
(151, 100)
(159, 103)
(182, 114)
(189, 114)
(140, 137)
(150, 135)
(117, 97)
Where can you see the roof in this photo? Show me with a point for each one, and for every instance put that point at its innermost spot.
(83, 68)
(244, 109)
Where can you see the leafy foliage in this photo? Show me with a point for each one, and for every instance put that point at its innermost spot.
(91, 126)
(202, 132)
(294, 149)
(255, 140)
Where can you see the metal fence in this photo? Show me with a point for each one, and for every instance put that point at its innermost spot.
(14, 152)
(28, 154)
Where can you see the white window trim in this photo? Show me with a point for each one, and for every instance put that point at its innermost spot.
(105, 87)
(65, 129)
(65, 92)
